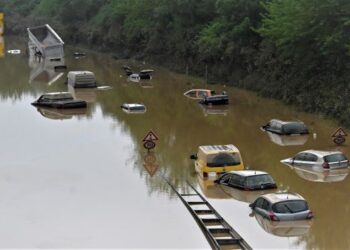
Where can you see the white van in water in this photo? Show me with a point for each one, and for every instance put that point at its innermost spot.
(81, 79)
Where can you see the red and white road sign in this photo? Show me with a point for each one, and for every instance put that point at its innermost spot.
(151, 136)
(339, 133)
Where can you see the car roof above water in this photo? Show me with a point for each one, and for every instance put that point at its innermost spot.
(321, 153)
(57, 95)
(286, 122)
(277, 197)
(215, 149)
(133, 105)
(247, 173)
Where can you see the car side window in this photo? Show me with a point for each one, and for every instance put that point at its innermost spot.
(299, 157)
(259, 202)
(265, 205)
(310, 157)
(225, 179)
(235, 180)
(278, 126)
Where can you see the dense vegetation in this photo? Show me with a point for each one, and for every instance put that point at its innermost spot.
(294, 50)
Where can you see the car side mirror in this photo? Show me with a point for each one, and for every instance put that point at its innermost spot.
(194, 157)
(217, 181)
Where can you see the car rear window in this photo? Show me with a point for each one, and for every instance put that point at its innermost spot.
(259, 180)
(223, 159)
(335, 158)
(294, 128)
(289, 207)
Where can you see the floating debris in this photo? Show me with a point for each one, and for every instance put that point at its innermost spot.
(14, 51)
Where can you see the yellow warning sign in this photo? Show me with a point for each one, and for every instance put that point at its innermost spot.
(1, 23)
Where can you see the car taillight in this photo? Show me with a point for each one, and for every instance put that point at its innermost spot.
(273, 217)
(310, 215)
(325, 165)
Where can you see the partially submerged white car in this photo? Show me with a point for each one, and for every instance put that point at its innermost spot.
(326, 159)
(137, 108)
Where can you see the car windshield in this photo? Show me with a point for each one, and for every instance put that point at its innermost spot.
(259, 180)
(137, 108)
(287, 207)
(223, 159)
(294, 127)
(335, 158)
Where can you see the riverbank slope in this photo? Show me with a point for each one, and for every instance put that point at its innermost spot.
(297, 52)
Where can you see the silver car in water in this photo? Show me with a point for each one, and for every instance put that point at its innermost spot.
(326, 159)
(282, 207)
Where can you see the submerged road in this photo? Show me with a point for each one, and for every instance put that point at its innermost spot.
(77, 179)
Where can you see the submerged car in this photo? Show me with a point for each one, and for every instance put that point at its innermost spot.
(134, 77)
(247, 180)
(282, 207)
(146, 74)
(81, 79)
(286, 127)
(215, 100)
(59, 100)
(326, 159)
(137, 108)
(198, 94)
(217, 159)
(212, 190)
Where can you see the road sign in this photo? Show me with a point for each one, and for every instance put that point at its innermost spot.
(149, 140)
(149, 145)
(339, 140)
(339, 132)
(151, 136)
(339, 136)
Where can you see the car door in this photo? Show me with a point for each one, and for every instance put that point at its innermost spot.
(261, 207)
(225, 179)
(309, 159)
(235, 181)
(299, 159)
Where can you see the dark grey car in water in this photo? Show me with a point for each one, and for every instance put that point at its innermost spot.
(286, 127)
(247, 180)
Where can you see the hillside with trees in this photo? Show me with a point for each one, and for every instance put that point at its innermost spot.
(293, 50)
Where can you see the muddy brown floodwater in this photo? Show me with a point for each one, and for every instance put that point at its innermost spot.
(82, 179)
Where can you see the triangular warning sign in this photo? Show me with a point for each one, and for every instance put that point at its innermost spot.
(339, 132)
(151, 136)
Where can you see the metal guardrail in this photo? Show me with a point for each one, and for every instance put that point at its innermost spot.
(218, 232)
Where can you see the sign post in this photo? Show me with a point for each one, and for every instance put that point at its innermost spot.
(339, 136)
(149, 140)
(2, 46)
(1, 23)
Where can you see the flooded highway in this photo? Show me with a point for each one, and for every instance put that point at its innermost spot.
(82, 176)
